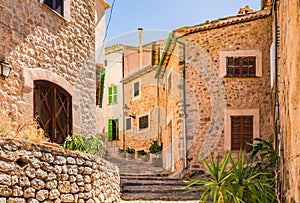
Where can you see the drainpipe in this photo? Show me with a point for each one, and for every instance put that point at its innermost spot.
(276, 100)
(276, 127)
(140, 52)
(123, 101)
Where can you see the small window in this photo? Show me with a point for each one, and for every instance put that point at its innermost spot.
(170, 81)
(136, 89)
(241, 132)
(143, 122)
(112, 94)
(56, 5)
(128, 123)
(241, 66)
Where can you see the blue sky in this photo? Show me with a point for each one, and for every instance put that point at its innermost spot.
(160, 17)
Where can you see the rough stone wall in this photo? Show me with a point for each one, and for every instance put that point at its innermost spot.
(33, 37)
(289, 98)
(38, 173)
(209, 95)
(146, 104)
(172, 100)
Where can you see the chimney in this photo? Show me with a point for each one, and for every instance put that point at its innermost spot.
(140, 52)
(265, 4)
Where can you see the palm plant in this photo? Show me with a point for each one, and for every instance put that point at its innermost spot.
(235, 181)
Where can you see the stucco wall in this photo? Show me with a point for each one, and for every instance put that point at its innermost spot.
(289, 98)
(38, 173)
(34, 38)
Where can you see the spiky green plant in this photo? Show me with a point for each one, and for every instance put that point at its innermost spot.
(235, 181)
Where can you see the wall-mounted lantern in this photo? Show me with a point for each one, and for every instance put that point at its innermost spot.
(126, 110)
(5, 69)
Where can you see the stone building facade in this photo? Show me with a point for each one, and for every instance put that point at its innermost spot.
(288, 84)
(214, 95)
(52, 54)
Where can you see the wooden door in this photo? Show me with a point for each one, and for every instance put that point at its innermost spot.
(53, 110)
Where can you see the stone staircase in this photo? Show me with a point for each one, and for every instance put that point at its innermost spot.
(156, 187)
(143, 181)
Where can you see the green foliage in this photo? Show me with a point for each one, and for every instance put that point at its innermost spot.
(141, 153)
(264, 154)
(155, 148)
(92, 144)
(240, 181)
(130, 150)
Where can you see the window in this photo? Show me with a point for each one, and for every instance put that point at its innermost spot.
(136, 89)
(241, 132)
(143, 122)
(241, 63)
(128, 123)
(239, 125)
(112, 94)
(113, 129)
(56, 5)
(241, 66)
(170, 81)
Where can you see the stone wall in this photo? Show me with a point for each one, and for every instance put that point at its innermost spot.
(42, 45)
(289, 98)
(210, 95)
(38, 173)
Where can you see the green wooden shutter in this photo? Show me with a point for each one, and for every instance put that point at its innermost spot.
(110, 95)
(109, 133)
(102, 87)
(115, 94)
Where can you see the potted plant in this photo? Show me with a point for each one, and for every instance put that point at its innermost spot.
(130, 153)
(142, 155)
(155, 153)
(121, 153)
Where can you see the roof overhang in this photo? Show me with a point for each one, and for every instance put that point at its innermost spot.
(106, 5)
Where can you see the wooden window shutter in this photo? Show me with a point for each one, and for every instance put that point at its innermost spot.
(241, 66)
(241, 132)
(109, 133)
(115, 94)
(110, 95)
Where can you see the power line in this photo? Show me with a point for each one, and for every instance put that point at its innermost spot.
(109, 19)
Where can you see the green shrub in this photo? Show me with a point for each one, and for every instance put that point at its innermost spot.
(155, 148)
(130, 150)
(141, 153)
(92, 144)
(238, 181)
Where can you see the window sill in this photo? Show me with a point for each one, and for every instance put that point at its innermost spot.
(236, 77)
(144, 129)
(112, 103)
(54, 12)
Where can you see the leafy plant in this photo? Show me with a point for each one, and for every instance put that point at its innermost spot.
(130, 150)
(155, 148)
(92, 144)
(237, 182)
(264, 154)
(142, 153)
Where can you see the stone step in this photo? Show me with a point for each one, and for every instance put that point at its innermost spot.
(170, 196)
(154, 188)
(161, 182)
(157, 187)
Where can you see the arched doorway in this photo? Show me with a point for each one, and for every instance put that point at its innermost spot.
(53, 110)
